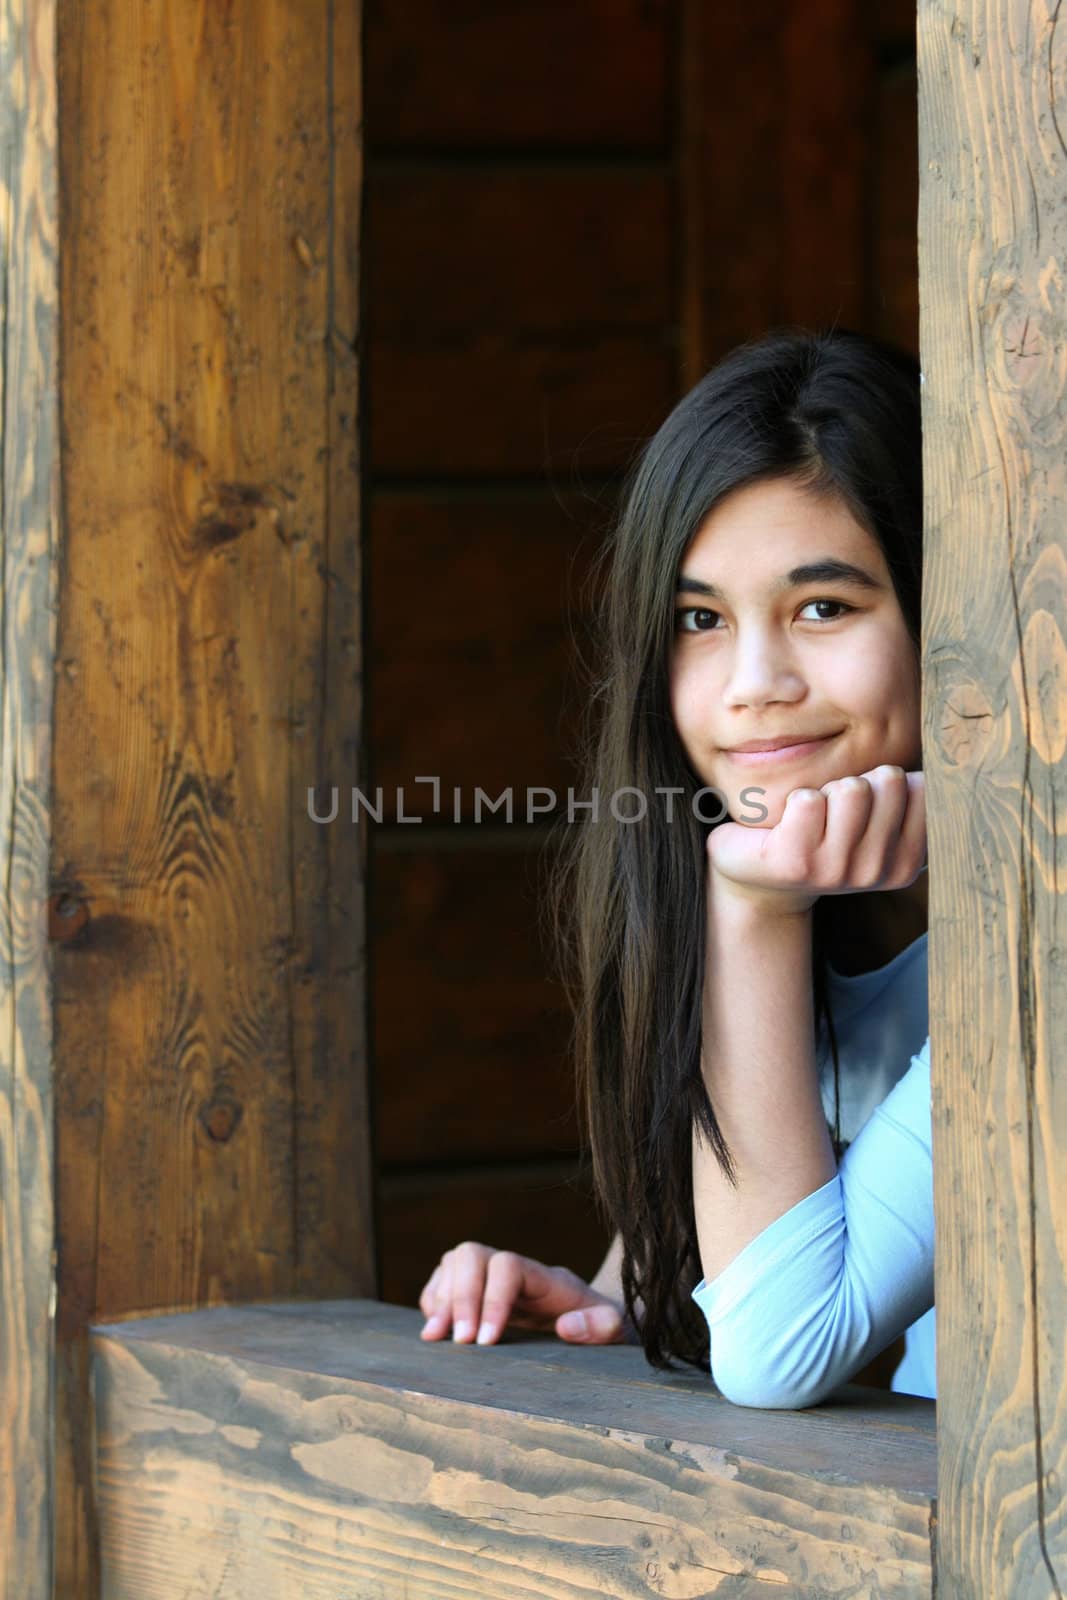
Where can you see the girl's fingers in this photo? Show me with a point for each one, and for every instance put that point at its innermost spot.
(428, 1297)
(477, 1291)
(467, 1289)
(911, 850)
(849, 807)
(503, 1281)
(855, 833)
(439, 1320)
(790, 848)
(592, 1325)
(875, 831)
(876, 858)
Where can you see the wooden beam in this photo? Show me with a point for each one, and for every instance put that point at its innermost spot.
(210, 1061)
(993, 331)
(323, 1450)
(29, 558)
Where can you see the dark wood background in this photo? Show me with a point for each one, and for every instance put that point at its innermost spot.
(572, 211)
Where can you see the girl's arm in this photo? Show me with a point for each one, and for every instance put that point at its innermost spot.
(844, 1258)
(758, 1048)
(760, 1071)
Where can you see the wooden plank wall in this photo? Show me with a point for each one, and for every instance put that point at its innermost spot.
(993, 243)
(573, 209)
(29, 553)
(210, 1053)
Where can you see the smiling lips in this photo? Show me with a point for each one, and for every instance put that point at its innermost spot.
(785, 748)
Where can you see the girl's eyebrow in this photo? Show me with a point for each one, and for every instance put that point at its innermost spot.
(826, 570)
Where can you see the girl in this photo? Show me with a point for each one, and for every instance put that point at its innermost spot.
(745, 924)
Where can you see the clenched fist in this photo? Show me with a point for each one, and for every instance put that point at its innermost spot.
(854, 834)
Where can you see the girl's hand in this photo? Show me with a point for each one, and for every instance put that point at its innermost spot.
(477, 1288)
(854, 834)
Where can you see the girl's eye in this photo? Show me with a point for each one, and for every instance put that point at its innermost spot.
(840, 604)
(698, 612)
(692, 611)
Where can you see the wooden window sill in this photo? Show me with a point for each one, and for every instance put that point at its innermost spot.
(322, 1449)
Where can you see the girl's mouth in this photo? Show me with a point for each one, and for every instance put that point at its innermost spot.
(785, 752)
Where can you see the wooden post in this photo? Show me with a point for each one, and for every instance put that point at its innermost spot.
(993, 320)
(28, 574)
(191, 937)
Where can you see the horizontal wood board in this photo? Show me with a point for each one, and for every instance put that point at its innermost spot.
(245, 1449)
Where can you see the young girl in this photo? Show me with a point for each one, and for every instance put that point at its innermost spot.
(746, 925)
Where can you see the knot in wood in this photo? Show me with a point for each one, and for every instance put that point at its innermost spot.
(219, 1119)
(967, 725)
(67, 916)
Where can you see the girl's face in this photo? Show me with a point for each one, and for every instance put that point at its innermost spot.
(763, 650)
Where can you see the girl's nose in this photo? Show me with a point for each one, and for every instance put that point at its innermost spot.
(762, 671)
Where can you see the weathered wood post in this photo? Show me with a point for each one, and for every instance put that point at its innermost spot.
(29, 556)
(181, 968)
(992, 272)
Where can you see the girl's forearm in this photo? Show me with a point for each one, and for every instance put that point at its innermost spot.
(760, 1070)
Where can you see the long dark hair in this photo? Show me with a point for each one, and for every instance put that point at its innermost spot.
(839, 413)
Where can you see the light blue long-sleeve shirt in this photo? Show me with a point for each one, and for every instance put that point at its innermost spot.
(839, 1276)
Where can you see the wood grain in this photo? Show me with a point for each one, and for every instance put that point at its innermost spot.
(560, 408)
(325, 1451)
(773, 162)
(894, 284)
(993, 322)
(479, 1068)
(479, 606)
(29, 565)
(211, 1120)
(546, 74)
(518, 319)
(526, 252)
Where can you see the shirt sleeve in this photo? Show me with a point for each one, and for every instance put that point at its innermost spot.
(839, 1276)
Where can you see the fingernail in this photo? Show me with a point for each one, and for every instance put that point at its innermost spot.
(462, 1330)
(576, 1322)
(485, 1333)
